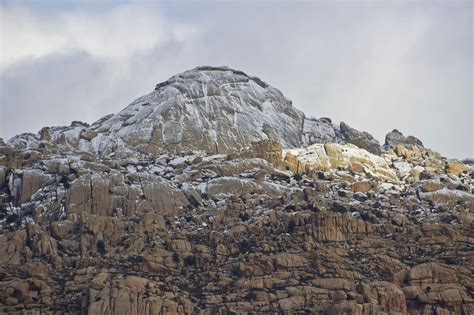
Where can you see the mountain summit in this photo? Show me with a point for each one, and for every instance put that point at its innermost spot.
(214, 195)
(213, 109)
(208, 108)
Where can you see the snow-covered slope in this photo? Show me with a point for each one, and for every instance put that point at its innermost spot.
(212, 109)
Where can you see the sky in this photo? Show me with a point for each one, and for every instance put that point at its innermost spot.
(376, 65)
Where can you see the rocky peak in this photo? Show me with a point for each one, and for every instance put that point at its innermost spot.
(214, 109)
(395, 137)
(313, 218)
(210, 109)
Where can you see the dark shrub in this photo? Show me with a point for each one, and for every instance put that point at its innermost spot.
(339, 207)
(244, 216)
(291, 226)
(251, 296)
(245, 246)
(298, 176)
(12, 218)
(101, 247)
(190, 261)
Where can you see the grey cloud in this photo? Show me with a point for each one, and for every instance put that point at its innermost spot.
(48, 91)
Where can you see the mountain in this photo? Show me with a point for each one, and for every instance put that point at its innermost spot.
(211, 109)
(213, 194)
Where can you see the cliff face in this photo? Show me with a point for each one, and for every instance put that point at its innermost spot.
(213, 194)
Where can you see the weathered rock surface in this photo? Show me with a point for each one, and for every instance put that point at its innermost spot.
(362, 139)
(213, 109)
(335, 226)
(395, 137)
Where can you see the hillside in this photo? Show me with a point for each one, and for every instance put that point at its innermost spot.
(214, 194)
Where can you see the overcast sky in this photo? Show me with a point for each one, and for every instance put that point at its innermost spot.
(376, 65)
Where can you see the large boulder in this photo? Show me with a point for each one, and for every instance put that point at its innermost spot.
(362, 139)
(395, 137)
(321, 131)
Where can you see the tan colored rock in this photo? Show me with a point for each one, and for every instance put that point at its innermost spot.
(288, 261)
(100, 234)
(153, 222)
(63, 228)
(431, 185)
(163, 197)
(411, 292)
(79, 196)
(36, 269)
(294, 164)
(181, 246)
(431, 273)
(291, 303)
(133, 295)
(314, 156)
(242, 187)
(402, 151)
(344, 308)
(357, 168)
(362, 186)
(334, 156)
(125, 232)
(99, 281)
(12, 247)
(389, 297)
(32, 181)
(448, 197)
(269, 150)
(230, 168)
(100, 196)
(334, 284)
(254, 270)
(339, 227)
(452, 296)
(456, 168)
(222, 250)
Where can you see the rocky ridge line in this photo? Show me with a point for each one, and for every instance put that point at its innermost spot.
(214, 109)
(155, 226)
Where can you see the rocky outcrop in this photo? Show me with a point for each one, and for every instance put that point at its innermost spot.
(395, 137)
(321, 131)
(321, 157)
(218, 110)
(327, 229)
(362, 139)
(213, 109)
(101, 220)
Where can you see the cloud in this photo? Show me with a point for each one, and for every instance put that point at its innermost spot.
(118, 32)
(374, 65)
(58, 66)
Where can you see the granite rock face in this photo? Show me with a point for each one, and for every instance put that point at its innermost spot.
(304, 217)
(213, 109)
(362, 139)
(395, 137)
